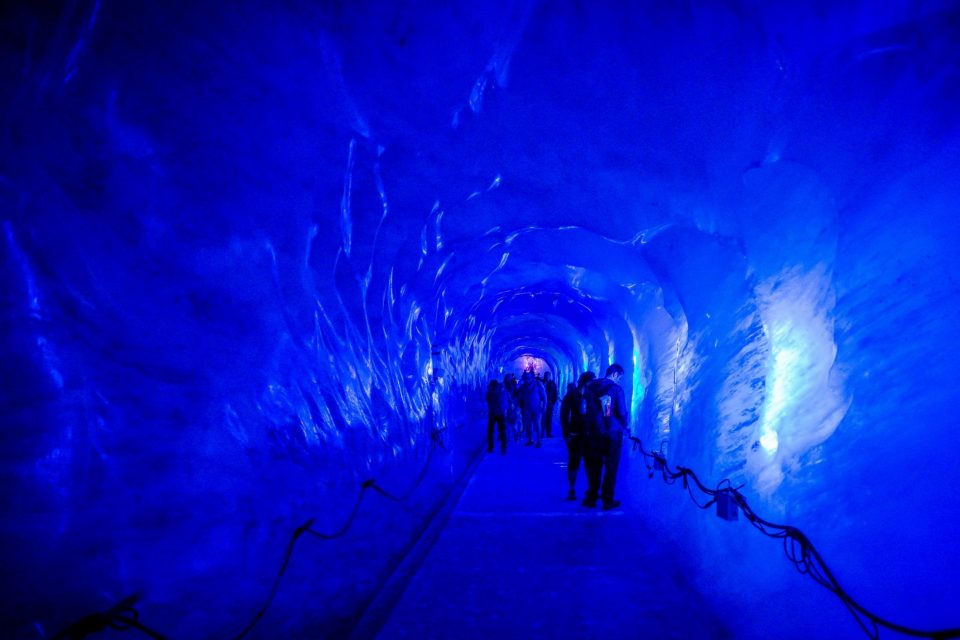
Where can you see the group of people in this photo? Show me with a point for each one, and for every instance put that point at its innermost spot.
(593, 419)
(526, 406)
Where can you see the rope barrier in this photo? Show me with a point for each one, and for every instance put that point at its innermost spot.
(796, 545)
(123, 616)
(120, 617)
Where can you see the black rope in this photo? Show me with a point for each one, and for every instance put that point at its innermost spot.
(123, 616)
(796, 545)
(307, 528)
(120, 617)
(416, 483)
(299, 531)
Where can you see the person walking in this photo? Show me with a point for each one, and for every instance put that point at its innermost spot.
(606, 420)
(572, 410)
(533, 399)
(498, 404)
(514, 417)
(551, 388)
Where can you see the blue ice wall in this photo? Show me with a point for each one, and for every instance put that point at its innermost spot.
(254, 257)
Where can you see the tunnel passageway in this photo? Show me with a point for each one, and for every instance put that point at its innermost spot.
(259, 259)
(516, 559)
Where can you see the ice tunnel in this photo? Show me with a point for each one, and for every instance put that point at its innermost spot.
(259, 261)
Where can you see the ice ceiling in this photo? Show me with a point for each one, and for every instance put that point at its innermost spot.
(253, 255)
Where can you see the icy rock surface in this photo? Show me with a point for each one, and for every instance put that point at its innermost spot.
(252, 258)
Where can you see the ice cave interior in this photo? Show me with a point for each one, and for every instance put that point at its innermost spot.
(257, 255)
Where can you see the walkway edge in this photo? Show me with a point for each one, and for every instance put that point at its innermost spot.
(377, 613)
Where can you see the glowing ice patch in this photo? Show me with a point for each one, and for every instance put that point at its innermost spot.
(804, 401)
(770, 442)
(789, 361)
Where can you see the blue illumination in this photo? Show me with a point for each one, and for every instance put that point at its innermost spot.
(253, 259)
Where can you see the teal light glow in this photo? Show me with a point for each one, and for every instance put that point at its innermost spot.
(637, 395)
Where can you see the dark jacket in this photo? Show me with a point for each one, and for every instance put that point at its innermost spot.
(551, 388)
(570, 420)
(498, 401)
(619, 418)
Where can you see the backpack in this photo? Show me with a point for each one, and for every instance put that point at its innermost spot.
(592, 411)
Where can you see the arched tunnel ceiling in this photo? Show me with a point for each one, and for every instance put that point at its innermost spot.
(572, 270)
(240, 246)
(573, 146)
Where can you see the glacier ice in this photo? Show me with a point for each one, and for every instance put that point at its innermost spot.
(253, 259)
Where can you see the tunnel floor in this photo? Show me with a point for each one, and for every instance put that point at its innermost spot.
(516, 559)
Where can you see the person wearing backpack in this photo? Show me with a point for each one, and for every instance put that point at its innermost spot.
(533, 398)
(606, 419)
(572, 410)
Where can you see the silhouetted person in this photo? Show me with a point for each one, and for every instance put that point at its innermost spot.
(533, 398)
(572, 409)
(514, 415)
(510, 382)
(606, 421)
(498, 403)
(551, 388)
